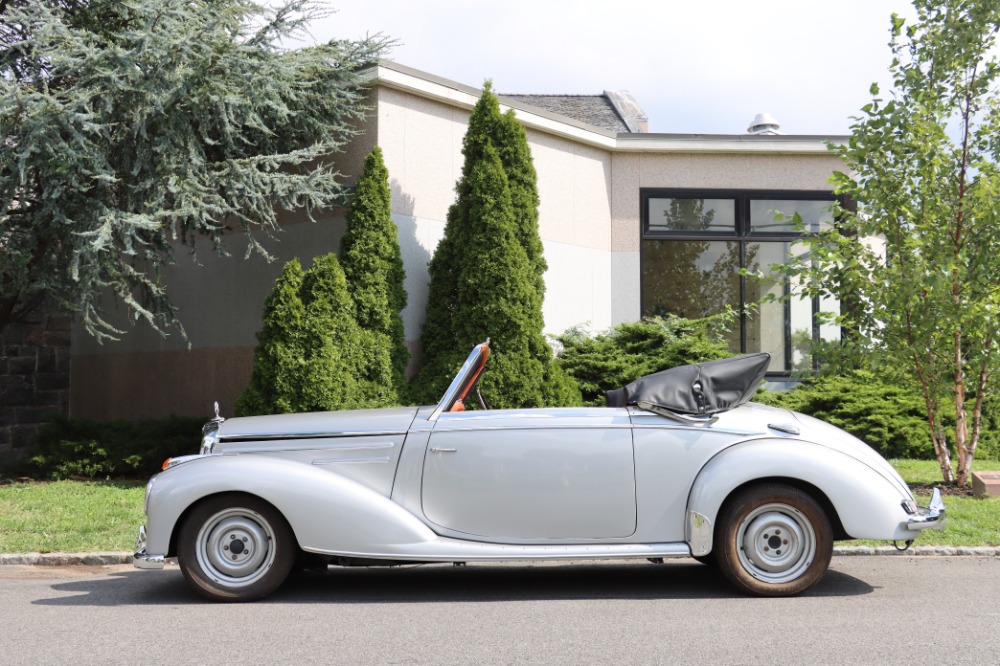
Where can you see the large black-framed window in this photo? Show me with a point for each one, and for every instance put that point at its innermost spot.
(694, 245)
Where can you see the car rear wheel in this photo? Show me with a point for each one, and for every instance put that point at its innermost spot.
(235, 547)
(773, 540)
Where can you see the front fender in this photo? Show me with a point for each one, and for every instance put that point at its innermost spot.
(327, 512)
(868, 505)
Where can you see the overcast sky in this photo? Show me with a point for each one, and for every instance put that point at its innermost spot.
(697, 66)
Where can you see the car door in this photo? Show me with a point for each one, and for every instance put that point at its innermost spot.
(531, 475)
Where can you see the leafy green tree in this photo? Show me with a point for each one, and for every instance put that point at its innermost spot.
(918, 263)
(373, 266)
(129, 127)
(486, 273)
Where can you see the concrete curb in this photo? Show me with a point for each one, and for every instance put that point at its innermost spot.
(103, 559)
(921, 551)
(66, 559)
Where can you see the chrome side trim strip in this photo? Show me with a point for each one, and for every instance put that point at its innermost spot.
(347, 446)
(335, 461)
(474, 427)
(679, 426)
(241, 437)
(451, 550)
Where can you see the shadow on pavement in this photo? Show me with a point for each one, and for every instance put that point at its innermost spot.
(446, 583)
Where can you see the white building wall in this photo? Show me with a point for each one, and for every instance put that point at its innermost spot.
(421, 141)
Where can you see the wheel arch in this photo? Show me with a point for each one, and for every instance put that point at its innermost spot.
(182, 518)
(817, 494)
(857, 499)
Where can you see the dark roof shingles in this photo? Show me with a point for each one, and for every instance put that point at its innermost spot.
(596, 110)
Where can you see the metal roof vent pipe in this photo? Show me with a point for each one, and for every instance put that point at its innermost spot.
(764, 123)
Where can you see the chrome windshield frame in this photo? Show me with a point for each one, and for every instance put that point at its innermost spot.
(461, 378)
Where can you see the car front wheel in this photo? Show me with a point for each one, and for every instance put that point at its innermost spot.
(773, 540)
(235, 547)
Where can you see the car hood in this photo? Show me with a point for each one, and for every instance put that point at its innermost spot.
(388, 421)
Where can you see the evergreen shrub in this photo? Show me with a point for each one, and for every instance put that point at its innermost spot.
(83, 448)
(614, 358)
(886, 415)
(311, 354)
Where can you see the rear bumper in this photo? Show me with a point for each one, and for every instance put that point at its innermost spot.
(931, 517)
(143, 560)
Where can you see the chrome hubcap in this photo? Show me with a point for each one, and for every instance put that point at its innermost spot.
(235, 547)
(777, 543)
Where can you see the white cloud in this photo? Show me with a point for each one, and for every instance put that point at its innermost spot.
(694, 67)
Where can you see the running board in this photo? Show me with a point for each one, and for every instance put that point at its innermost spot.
(456, 550)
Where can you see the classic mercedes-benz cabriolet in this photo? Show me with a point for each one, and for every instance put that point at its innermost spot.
(679, 464)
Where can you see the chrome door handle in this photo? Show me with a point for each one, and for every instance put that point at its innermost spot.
(437, 450)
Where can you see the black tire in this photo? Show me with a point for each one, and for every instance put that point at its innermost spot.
(773, 540)
(207, 556)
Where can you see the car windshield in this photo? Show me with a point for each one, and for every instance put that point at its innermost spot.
(464, 380)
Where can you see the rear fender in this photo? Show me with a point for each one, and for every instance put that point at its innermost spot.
(327, 512)
(868, 505)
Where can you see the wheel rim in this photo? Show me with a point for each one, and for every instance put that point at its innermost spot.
(236, 547)
(777, 543)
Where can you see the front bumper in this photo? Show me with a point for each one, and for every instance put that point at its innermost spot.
(143, 560)
(931, 517)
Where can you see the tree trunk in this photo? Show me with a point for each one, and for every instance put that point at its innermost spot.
(961, 421)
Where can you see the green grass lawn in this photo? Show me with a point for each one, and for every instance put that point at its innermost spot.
(70, 516)
(91, 516)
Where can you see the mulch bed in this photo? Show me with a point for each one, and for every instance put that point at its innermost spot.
(947, 489)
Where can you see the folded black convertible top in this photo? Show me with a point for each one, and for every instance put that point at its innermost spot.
(701, 389)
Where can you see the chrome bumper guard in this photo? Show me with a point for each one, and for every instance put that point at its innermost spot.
(932, 517)
(141, 559)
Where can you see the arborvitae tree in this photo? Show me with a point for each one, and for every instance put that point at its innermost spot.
(312, 355)
(495, 297)
(515, 155)
(278, 366)
(373, 266)
(336, 372)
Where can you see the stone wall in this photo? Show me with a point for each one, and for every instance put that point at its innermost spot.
(34, 379)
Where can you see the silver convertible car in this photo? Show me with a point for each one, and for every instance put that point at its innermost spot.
(679, 464)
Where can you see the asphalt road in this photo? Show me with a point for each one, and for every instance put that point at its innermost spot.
(868, 610)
